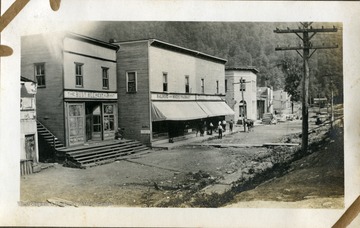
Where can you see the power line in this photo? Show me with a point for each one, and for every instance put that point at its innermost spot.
(305, 33)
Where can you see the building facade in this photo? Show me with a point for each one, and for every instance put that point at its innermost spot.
(240, 88)
(282, 101)
(167, 91)
(264, 101)
(77, 85)
(28, 131)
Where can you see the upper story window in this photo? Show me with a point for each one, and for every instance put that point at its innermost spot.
(165, 82)
(226, 87)
(202, 86)
(131, 85)
(253, 86)
(217, 86)
(105, 78)
(79, 80)
(242, 85)
(40, 74)
(187, 84)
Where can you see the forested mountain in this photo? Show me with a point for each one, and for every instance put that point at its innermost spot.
(242, 44)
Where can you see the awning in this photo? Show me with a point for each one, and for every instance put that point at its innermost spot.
(216, 108)
(170, 110)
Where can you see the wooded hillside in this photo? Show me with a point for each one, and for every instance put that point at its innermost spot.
(243, 44)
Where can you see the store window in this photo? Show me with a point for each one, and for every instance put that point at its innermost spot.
(40, 74)
(109, 117)
(131, 86)
(79, 81)
(165, 82)
(105, 78)
(187, 84)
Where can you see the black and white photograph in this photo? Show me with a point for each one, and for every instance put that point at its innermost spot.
(184, 115)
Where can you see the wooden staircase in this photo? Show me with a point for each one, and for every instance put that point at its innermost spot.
(49, 137)
(102, 153)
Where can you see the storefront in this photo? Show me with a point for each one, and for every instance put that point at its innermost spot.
(175, 115)
(90, 116)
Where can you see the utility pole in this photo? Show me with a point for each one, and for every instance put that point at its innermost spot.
(242, 81)
(242, 88)
(307, 34)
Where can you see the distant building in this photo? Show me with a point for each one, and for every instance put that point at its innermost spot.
(264, 101)
(77, 85)
(281, 101)
(28, 132)
(166, 91)
(242, 99)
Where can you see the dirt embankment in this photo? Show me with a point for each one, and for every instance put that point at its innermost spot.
(282, 174)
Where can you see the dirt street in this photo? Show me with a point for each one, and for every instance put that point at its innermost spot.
(175, 178)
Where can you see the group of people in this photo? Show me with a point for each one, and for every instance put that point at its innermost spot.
(221, 128)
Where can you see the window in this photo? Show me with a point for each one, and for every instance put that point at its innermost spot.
(217, 86)
(242, 85)
(40, 74)
(253, 86)
(131, 82)
(187, 84)
(202, 86)
(165, 82)
(226, 88)
(105, 78)
(79, 82)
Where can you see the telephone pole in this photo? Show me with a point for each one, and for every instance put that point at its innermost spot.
(307, 34)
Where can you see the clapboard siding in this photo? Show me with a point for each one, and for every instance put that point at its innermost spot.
(49, 100)
(134, 108)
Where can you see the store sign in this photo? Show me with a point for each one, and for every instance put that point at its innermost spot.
(27, 115)
(27, 103)
(145, 131)
(183, 97)
(89, 95)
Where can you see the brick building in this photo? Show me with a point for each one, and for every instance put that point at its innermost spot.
(167, 91)
(77, 85)
(241, 97)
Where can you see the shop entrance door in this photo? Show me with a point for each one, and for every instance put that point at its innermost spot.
(76, 123)
(30, 147)
(93, 121)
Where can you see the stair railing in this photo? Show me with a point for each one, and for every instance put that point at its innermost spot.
(52, 135)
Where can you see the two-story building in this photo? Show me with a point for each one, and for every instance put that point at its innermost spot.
(264, 101)
(282, 101)
(166, 91)
(240, 88)
(77, 85)
(28, 131)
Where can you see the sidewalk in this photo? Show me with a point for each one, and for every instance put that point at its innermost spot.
(195, 140)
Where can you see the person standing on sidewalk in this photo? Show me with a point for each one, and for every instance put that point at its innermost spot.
(224, 125)
(211, 128)
(231, 125)
(220, 129)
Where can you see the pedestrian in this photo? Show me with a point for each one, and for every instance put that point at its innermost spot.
(231, 124)
(211, 128)
(224, 125)
(220, 129)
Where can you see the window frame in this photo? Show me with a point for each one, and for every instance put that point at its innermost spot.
(127, 81)
(165, 82)
(202, 85)
(105, 79)
(43, 76)
(80, 76)
(187, 84)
